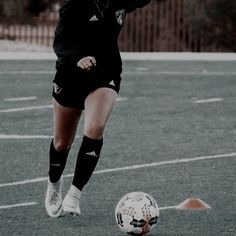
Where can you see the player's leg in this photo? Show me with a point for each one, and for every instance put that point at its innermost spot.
(98, 107)
(65, 126)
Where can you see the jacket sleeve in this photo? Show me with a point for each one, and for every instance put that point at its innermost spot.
(131, 5)
(66, 44)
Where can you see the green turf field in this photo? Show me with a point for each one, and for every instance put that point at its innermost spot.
(172, 134)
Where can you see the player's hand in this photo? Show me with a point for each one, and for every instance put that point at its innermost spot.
(86, 63)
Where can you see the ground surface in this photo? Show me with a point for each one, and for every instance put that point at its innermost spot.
(172, 135)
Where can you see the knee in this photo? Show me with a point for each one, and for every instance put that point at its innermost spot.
(95, 130)
(61, 145)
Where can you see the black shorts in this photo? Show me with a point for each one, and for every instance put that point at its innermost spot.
(72, 85)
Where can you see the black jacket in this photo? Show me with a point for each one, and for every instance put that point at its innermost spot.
(91, 28)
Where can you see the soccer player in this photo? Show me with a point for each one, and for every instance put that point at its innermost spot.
(87, 79)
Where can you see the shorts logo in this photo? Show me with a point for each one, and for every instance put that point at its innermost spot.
(57, 89)
(120, 16)
(112, 83)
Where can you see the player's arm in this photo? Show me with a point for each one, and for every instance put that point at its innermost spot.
(67, 45)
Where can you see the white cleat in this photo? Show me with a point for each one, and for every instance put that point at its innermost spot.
(70, 204)
(53, 200)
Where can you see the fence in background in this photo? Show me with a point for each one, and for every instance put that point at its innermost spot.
(160, 26)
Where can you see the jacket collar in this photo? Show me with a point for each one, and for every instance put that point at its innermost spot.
(101, 6)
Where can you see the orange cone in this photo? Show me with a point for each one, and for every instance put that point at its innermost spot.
(193, 204)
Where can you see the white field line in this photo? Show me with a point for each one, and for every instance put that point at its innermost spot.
(209, 100)
(188, 73)
(19, 99)
(27, 72)
(27, 181)
(141, 68)
(18, 205)
(153, 164)
(167, 208)
(17, 136)
(136, 71)
(119, 99)
(35, 203)
(25, 108)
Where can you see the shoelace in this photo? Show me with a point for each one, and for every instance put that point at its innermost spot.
(74, 200)
(53, 197)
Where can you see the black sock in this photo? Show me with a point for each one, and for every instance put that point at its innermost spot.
(57, 162)
(86, 161)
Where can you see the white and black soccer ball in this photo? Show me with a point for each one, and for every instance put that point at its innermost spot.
(137, 213)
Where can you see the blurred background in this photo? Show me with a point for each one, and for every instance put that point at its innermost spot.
(162, 26)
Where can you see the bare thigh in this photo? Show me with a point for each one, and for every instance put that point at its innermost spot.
(98, 107)
(65, 125)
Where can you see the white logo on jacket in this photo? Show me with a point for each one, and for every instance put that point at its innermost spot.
(93, 18)
(120, 16)
(57, 89)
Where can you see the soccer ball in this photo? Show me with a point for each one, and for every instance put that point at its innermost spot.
(136, 213)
